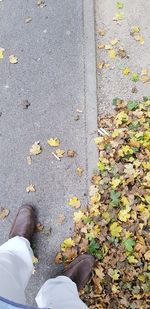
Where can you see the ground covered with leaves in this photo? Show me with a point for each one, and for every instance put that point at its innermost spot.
(115, 227)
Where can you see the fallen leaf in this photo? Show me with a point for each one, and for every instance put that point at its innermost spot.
(25, 104)
(134, 90)
(78, 216)
(2, 52)
(68, 243)
(118, 16)
(135, 77)
(28, 20)
(54, 142)
(41, 3)
(114, 42)
(71, 153)
(36, 149)
(74, 202)
(34, 259)
(124, 215)
(120, 5)
(29, 160)
(112, 54)
(147, 255)
(126, 71)
(39, 227)
(115, 229)
(100, 65)
(13, 59)
(139, 38)
(122, 53)
(61, 219)
(108, 46)
(4, 212)
(135, 29)
(144, 72)
(145, 79)
(79, 171)
(60, 153)
(102, 32)
(114, 274)
(129, 244)
(30, 188)
(132, 259)
(101, 46)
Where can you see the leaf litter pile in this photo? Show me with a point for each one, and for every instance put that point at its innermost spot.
(115, 227)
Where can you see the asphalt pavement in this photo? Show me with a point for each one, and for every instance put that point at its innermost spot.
(51, 48)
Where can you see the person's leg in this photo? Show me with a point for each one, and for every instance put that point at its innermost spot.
(62, 291)
(16, 257)
(15, 268)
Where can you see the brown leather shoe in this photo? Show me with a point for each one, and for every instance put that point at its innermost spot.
(79, 271)
(24, 222)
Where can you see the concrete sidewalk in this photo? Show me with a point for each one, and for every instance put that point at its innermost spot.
(56, 65)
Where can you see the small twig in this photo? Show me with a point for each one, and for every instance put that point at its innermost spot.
(54, 154)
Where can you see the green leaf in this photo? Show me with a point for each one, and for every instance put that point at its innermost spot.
(134, 126)
(145, 99)
(115, 198)
(119, 5)
(129, 244)
(101, 166)
(115, 101)
(93, 247)
(135, 77)
(132, 105)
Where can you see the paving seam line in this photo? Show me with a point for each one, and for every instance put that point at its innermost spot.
(90, 87)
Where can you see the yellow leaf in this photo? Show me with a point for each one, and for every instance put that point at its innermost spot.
(145, 79)
(147, 178)
(125, 150)
(119, 16)
(35, 149)
(74, 202)
(34, 259)
(54, 142)
(116, 133)
(132, 259)
(13, 59)
(115, 229)
(68, 243)
(114, 42)
(126, 71)
(135, 29)
(78, 216)
(2, 51)
(112, 54)
(147, 255)
(106, 216)
(60, 153)
(114, 274)
(124, 215)
(115, 182)
(108, 46)
(139, 38)
(121, 117)
(124, 201)
(144, 72)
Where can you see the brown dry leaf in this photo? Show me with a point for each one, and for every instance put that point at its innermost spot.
(101, 46)
(134, 90)
(71, 153)
(35, 149)
(39, 227)
(58, 258)
(28, 20)
(4, 212)
(60, 153)
(61, 219)
(25, 104)
(102, 32)
(100, 65)
(29, 160)
(79, 171)
(30, 188)
(145, 79)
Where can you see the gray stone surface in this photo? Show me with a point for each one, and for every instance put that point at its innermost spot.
(50, 74)
(111, 82)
